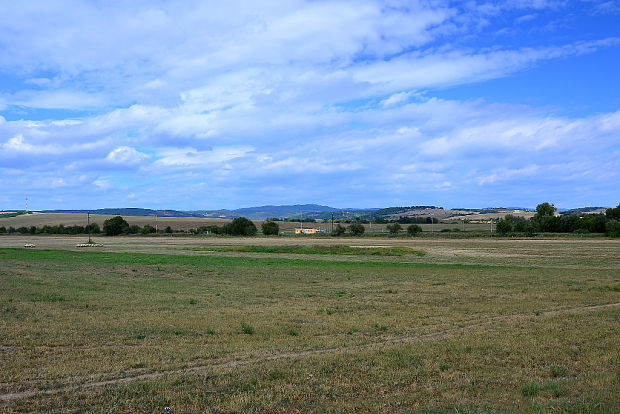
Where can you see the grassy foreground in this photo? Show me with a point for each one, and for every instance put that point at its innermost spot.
(133, 332)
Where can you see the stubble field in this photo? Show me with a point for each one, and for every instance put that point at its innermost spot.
(252, 325)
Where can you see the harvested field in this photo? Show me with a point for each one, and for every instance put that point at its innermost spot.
(186, 223)
(470, 326)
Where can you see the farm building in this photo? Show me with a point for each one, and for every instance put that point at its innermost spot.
(309, 231)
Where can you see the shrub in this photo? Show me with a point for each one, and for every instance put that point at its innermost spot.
(94, 228)
(414, 229)
(356, 229)
(270, 228)
(394, 228)
(339, 230)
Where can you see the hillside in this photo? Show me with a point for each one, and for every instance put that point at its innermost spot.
(317, 211)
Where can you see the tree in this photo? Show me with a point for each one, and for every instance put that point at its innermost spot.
(504, 226)
(613, 228)
(613, 213)
(94, 228)
(544, 210)
(270, 228)
(115, 226)
(134, 229)
(545, 219)
(394, 228)
(356, 228)
(339, 230)
(240, 226)
(168, 229)
(414, 229)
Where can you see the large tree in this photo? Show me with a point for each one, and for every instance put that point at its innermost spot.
(545, 210)
(240, 226)
(270, 228)
(115, 226)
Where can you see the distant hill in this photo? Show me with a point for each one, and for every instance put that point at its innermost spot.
(128, 212)
(317, 211)
(254, 213)
(585, 210)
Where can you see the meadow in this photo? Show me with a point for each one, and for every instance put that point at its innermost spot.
(285, 324)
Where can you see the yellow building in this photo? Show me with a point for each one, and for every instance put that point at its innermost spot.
(309, 231)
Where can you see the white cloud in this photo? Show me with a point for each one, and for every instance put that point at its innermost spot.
(503, 174)
(190, 157)
(291, 92)
(396, 99)
(102, 184)
(126, 155)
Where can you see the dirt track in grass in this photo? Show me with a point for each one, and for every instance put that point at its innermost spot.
(386, 341)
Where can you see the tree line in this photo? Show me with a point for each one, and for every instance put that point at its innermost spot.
(545, 221)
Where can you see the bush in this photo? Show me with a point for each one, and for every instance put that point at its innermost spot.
(394, 228)
(270, 228)
(504, 226)
(613, 228)
(168, 229)
(339, 230)
(115, 226)
(94, 228)
(356, 229)
(414, 229)
(240, 226)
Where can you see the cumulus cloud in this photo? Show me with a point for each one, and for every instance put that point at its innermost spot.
(126, 155)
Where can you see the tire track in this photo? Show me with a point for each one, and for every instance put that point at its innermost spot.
(233, 363)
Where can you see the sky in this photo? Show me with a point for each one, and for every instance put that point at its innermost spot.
(206, 104)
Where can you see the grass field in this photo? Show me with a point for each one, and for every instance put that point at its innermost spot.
(269, 325)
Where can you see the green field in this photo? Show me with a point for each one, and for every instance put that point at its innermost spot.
(229, 325)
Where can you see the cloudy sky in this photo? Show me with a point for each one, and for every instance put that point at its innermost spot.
(210, 104)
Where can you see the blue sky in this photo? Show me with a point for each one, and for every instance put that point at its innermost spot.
(203, 105)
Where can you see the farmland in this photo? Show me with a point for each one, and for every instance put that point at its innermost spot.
(186, 223)
(285, 324)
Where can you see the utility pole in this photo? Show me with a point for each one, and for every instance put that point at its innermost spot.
(332, 222)
(155, 223)
(88, 215)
